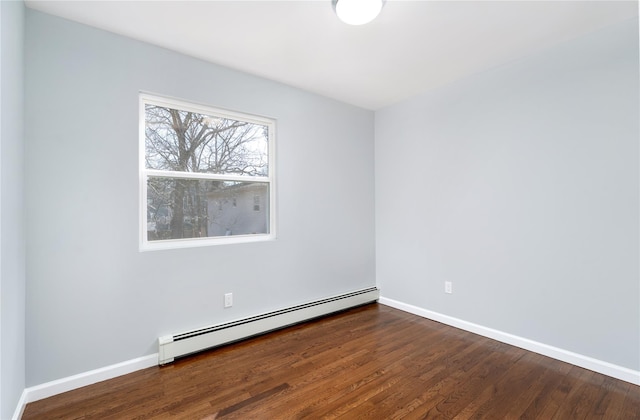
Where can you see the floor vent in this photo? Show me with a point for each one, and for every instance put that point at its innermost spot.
(172, 346)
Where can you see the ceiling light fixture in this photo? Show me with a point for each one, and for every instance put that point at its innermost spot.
(357, 12)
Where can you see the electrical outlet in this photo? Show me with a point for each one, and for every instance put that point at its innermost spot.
(228, 300)
(448, 287)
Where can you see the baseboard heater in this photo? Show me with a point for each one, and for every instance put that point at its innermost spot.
(177, 345)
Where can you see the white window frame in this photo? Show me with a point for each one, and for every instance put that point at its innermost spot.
(145, 244)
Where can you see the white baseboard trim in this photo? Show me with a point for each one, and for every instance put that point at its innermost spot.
(22, 403)
(606, 368)
(59, 386)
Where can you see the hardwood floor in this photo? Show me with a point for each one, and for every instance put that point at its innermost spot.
(370, 362)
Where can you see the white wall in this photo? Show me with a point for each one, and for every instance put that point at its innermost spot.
(12, 245)
(520, 185)
(92, 298)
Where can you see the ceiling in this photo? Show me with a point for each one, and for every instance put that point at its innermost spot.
(413, 46)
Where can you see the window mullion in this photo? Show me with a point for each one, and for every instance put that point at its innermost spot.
(199, 175)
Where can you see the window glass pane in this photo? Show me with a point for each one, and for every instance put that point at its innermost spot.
(186, 141)
(191, 208)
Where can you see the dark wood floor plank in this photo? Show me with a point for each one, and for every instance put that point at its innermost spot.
(457, 386)
(365, 368)
(511, 389)
(370, 362)
(544, 387)
(573, 396)
(455, 355)
(611, 398)
(631, 406)
(353, 380)
(360, 369)
(468, 387)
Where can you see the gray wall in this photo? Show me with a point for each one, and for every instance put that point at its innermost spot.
(92, 298)
(520, 185)
(12, 245)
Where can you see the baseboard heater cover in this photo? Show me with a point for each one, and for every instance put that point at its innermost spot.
(177, 345)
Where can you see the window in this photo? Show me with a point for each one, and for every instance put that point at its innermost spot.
(205, 175)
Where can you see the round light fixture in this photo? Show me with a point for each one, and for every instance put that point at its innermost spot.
(357, 12)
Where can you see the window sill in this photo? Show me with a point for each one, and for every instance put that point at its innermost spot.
(200, 242)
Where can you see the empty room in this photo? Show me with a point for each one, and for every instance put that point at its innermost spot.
(319, 209)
